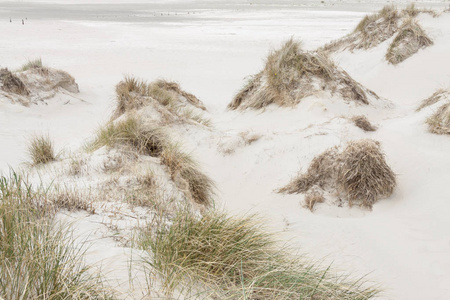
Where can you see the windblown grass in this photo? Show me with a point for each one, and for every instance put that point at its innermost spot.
(363, 123)
(233, 258)
(410, 38)
(38, 257)
(359, 174)
(291, 74)
(439, 122)
(41, 150)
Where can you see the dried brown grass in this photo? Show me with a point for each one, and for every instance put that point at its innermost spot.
(291, 74)
(312, 198)
(363, 123)
(358, 173)
(436, 97)
(409, 39)
(12, 84)
(439, 122)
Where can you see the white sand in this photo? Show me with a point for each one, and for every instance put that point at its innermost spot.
(404, 243)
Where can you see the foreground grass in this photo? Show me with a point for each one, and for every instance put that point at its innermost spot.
(232, 258)
(38, 257)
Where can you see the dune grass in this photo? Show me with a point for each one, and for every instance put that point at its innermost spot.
(147, 139)
(41, 150)
(434, 98)
(38, 256)
(409, 39)
(439, 122)
(358, 173)
(31, 64)
(225, 257)
(11, 83)
(291, 74)
(363, 123)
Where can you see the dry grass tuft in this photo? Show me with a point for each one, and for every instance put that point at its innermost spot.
(187, 175)
(220, 257)
(312, 198)
(358, 173)
(435, 98)
(363, 123)
(41, 150)
(12, 84)
(408, 41)
(439, 122)
(71, 200)
(291, 74)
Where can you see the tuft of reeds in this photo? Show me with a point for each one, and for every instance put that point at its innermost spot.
(363, 123)
(439, 122)
(225, 257)
(38, 256)
(291, 74)
(11, 83)
(409, 39)
(359, 173)
(41, 150)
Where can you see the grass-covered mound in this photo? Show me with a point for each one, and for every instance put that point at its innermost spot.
(34, 83)
(291, 74)
(374, 29)
(358, 173)
(439, 95)
(215, 256)
(439, 122)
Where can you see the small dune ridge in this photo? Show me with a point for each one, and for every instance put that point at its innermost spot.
(34, 83)
(291, 74)
(358, 173)
(376, 28)
(439, 121)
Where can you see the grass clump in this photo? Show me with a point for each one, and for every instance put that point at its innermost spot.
(291, 74)
(439, 122)
(358, 173)
(436, 97)
(12, 84)
(408, 41)
(132, 133)
(31, 64)
(363, 123)
(38, 257)
(233, 258)
(41, 150)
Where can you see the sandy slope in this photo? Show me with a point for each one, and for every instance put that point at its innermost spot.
(404, 242)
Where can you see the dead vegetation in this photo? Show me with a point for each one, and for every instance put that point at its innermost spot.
(166, 98)
(439, 122)
(291, 74)
(363, 123)
(359, 174)
(410, 38)
(311, 198)
(12, 84)
(437, 96)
